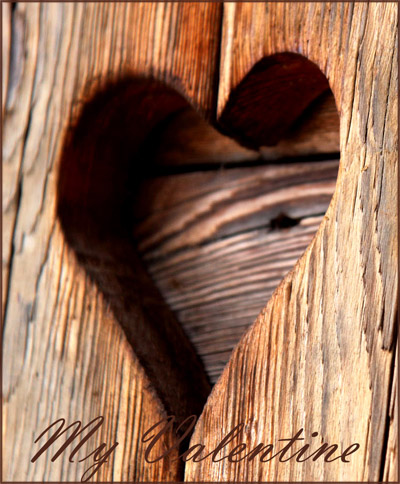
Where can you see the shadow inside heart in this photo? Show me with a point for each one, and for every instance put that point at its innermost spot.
(186, 232)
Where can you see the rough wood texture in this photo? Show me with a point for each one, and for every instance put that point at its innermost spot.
(60, 54)
(216, 245)
(320, 355)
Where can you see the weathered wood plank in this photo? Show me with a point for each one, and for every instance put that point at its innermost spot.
(329, 317)
(189, 140)
(319, 356)
(216, 290)
(184, 210)
(61, 53)
(21, 69)
(211, 246)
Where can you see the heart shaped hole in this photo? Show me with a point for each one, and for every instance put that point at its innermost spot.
(185, 231)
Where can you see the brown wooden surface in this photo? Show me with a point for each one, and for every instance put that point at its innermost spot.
(61, 54)
(321, 355)
(213, 243)
(334, 314)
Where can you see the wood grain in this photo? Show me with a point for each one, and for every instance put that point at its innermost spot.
(62, 53)
(216, 307)
(186, 210)
(216, 249)
(319, 356)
